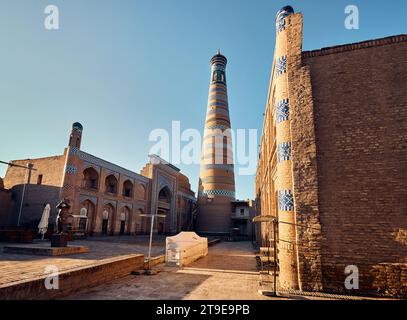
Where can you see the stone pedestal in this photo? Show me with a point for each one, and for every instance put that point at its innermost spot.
(59, 240)
(45, 250)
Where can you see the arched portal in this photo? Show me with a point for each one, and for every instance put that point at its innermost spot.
(125, 220)
(108, 224)
(90, 208)
(139, 222)
(128, 189)
(164, 195)
(111, 184)
(164, 208)
(90, 179)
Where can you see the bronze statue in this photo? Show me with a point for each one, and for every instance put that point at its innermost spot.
(60, 221)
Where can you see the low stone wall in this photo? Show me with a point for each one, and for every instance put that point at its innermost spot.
(154, 261)
(16, 235)
(75, 279)
(390, 279)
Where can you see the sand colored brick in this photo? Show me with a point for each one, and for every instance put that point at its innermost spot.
(347, 124)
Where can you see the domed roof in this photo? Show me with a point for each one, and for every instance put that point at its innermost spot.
(284, 12)
(77, 125)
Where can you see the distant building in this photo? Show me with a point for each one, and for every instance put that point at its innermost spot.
(243, 212)
(112, 198)
(333, 161)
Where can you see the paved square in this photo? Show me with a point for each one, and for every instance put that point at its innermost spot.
(19, 267)
(228, 272)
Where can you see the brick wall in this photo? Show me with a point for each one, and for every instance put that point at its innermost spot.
(6, 205)
(71, 281)
(36, 195)
(360, 110)
(304, 163)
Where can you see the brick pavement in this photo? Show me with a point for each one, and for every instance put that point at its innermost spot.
(228, 272)
(17, 267)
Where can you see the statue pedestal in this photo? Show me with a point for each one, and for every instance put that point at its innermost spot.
(59, 240)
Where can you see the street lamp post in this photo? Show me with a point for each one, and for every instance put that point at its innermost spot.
(152, 216)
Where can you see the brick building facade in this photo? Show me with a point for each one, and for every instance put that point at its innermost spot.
(114, 199)
(333, 161)
(6, 204)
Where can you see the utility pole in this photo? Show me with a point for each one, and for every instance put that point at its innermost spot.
(29, 167)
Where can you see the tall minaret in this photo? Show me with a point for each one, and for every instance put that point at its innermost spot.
(72, 162)
(287, 255)
(217, 179)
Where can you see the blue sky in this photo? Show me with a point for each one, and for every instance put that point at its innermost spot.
(123, 68)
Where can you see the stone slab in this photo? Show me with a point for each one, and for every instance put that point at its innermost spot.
(45, 251)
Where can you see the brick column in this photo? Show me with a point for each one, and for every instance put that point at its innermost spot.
(72, 165)
(288, 276)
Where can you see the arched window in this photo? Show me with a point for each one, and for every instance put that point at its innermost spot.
(128, 189)
(90, 178)
(140, 192)
(111, 184)
(164, 195)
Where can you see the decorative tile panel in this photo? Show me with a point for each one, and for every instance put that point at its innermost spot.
(74, 151)
(281, 65)
(219, 126)
(220, 67)
(280, 18)
(218, 104)
(68, 187)
(224, 193)
(71, 169)
(282, 111)
(284, 151)
(280, 24)
(285, 200)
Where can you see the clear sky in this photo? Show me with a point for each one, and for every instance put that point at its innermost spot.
(123, 68)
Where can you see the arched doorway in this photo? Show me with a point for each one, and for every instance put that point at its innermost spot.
(90, 208)
(125, 221)
(164, 208)
(108, 224)
(139, 221)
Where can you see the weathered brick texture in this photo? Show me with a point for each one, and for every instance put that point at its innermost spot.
(360, 108)
(348, 122)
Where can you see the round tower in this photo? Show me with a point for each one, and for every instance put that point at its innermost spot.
(76, 135)
(288, 276)
(217, 180)
(71, 177)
